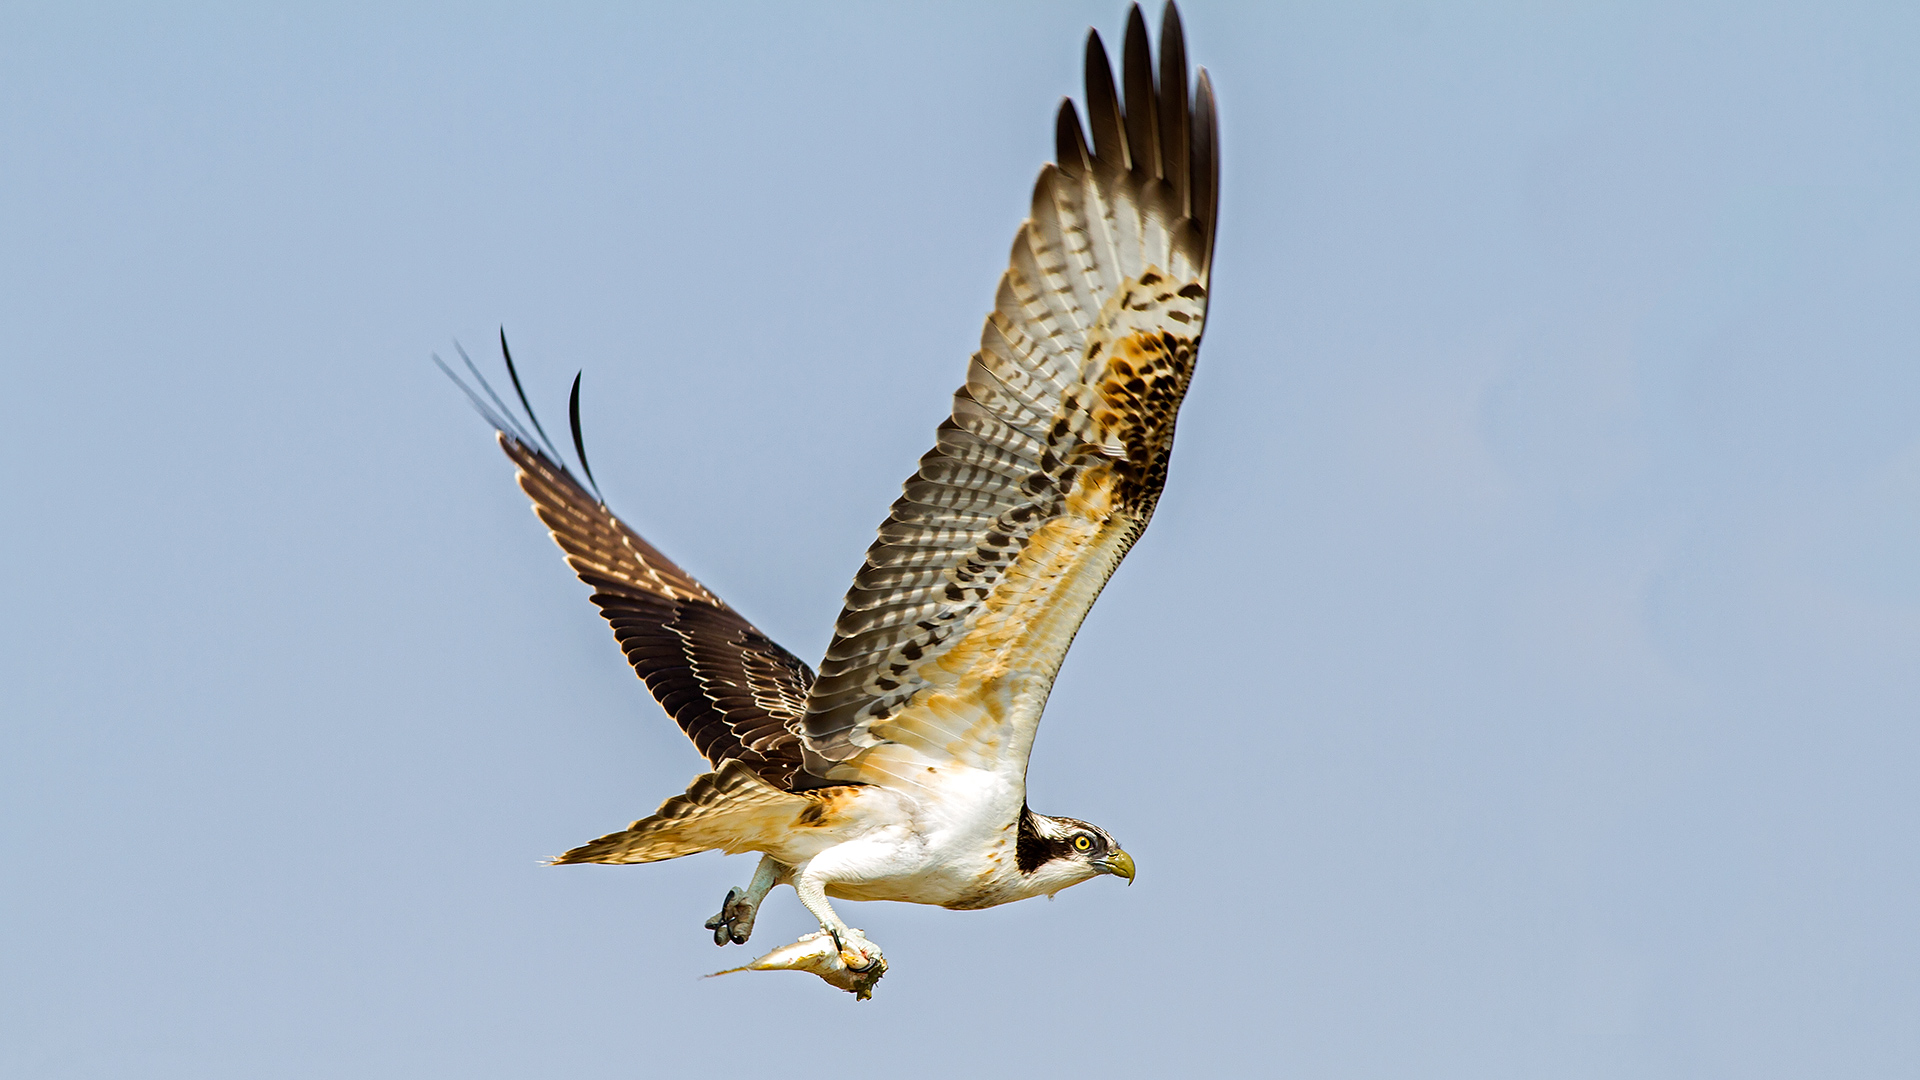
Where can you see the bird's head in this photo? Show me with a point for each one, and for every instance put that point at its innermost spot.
(1055, 852)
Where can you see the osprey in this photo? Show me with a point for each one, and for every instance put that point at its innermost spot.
(898, 770)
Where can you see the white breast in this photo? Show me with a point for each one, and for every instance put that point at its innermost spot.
(949, 840)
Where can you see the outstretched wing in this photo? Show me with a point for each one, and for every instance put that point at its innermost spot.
(1053, 459)
(737, 694)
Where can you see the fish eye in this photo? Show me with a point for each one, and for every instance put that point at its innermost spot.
(1083, 842)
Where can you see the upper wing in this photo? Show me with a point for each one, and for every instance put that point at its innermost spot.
(1053, 459)
(736, 694)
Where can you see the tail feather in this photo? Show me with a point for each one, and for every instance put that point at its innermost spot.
(728, 809)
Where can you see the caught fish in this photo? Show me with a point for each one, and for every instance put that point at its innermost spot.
(818, 954)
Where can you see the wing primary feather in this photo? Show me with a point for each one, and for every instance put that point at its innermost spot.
(1173, 108)
(480, 406)
(514, 374)
(512, 425)
(1136, 66)
(579, 443)
(1069, 143)
(1206, 164)
(1103, 109)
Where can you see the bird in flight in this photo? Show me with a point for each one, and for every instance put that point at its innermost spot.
(898, 770)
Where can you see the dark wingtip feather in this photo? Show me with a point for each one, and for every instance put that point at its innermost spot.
(1103, 109)
(1206, 163)
(504, 421)
(1173, 107)
(493, 419)
(514, 374)
(1136, 74)
(1069, 143)
(580, 443)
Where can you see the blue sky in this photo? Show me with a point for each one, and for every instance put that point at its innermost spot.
(1518, 679)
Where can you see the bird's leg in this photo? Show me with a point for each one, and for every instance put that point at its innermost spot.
(856, 951)
(735, 921)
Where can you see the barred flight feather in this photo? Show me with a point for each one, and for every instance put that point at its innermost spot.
(736, 694)
(1055, 452)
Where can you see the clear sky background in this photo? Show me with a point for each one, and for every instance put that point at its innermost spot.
(1521, 677)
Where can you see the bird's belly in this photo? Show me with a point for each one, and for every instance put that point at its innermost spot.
(956, 883)
(941, 887)
(947, 851)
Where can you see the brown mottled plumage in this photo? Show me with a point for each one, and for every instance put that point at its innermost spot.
(735, 693)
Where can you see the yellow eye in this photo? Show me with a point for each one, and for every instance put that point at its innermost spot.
(1083, 843)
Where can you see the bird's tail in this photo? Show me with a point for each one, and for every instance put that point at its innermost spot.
(730, 809)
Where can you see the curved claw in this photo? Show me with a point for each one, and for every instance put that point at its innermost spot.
(735, 922)
(863, 956)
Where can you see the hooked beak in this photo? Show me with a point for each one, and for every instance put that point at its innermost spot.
(1119, 864)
